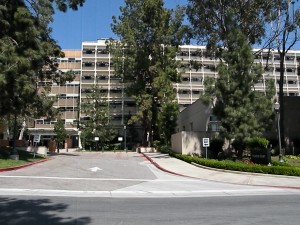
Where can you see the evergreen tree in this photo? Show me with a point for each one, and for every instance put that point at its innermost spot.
(96, 108)
(144, 58)
(60, 131)
(213, 20)
(27, 54)
(243, 111)
(272, 24)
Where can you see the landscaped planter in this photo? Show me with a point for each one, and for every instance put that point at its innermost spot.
(260, 155)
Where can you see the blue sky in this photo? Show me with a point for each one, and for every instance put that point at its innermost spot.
(90, 22)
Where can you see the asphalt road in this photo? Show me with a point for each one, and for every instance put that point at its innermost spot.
(243, 210)
(125, 188)
(94, 174)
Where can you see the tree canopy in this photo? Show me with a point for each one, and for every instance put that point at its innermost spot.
(60, 132)
(243, 111)
(145, 59)
(96, 109)
(212, 20)
(27, 53)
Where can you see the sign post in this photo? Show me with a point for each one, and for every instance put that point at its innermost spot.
(96, 142)
(36, 140)
(120, 139)
(205, 142)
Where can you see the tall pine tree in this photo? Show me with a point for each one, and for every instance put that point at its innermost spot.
(145, 59)
(243, 111)
(27, 54)
(96, 109)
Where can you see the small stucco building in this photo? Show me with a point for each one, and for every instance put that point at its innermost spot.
(197, 122)
(194, 123)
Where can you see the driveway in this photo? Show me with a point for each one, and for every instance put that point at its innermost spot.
(120, 174)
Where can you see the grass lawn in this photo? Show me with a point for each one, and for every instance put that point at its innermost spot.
(289, 159)
(24, 158)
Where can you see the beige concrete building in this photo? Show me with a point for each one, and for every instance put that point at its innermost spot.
(93, 66)
(67, 101)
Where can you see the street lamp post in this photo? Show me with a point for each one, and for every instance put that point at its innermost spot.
(125, 147)
(277, 107)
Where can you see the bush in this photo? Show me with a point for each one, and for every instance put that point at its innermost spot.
(257, 143)
(164, 148)
(239, 166)
(216, 146)
(4, 153)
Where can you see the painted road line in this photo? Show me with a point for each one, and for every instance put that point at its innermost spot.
(145, 194)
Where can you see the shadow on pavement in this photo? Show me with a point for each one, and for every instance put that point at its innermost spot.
(35, 212)
(64, 154)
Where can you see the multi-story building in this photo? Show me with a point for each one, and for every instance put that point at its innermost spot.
(97, 69)
(94, 66)
(67, 100)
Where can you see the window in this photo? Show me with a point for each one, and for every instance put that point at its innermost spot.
(102, 64)
(116, 91)
(292, 82)
(39, 121)
(130, 104)
(102, 77)
(196, 53)
(102, 51)
(85, 118)
(89, 77)
(290, 70)
(196, 79)
(185, 92)
(289, 58)
(86, 90)
(71, 60)
(182, 53)
(63, 96)
(47, 121)
(276, 57)
(88, 51)
(88, 64)
(115, 78)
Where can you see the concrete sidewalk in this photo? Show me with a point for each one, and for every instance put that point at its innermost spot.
(179, 167)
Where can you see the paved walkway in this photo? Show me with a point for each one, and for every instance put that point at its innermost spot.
(179, 167)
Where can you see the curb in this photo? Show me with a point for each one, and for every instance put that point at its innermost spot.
(23, 166)
(241, 172)
(163, 169)
(229, 171)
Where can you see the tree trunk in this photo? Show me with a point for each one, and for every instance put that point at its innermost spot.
(281, 101)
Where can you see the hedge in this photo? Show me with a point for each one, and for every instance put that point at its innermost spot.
(239, 166)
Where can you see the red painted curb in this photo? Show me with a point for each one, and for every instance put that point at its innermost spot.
(163, 169)
(168, 171)
(22, 166)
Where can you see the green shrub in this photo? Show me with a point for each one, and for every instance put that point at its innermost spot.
(239, 166)
(4, 152)
(257, 142)
(164, 148)
(156, 144)
(216, 146)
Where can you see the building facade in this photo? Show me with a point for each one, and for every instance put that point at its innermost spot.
(93, 66)
(67, 103)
